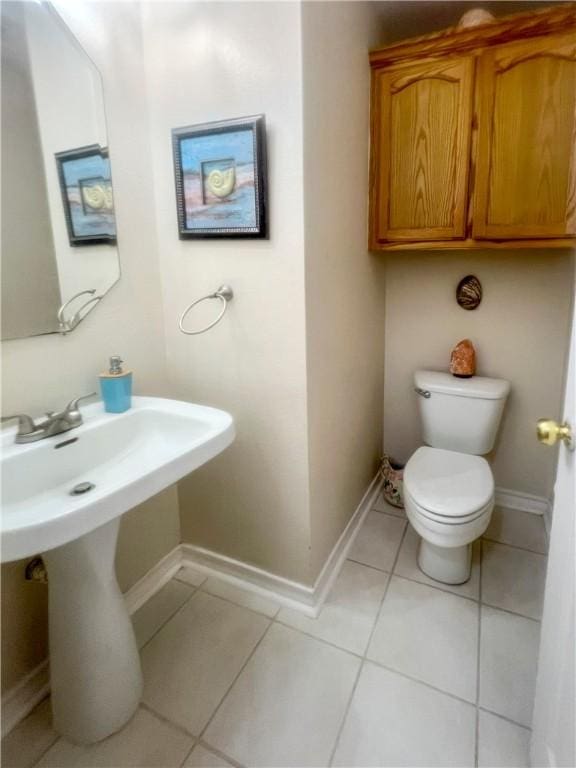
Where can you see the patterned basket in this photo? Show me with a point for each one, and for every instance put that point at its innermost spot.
(392, 473)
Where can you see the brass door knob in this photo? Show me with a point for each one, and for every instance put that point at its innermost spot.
(549, 432)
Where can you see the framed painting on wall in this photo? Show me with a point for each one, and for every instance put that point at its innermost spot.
(86, 188)
(220, 171)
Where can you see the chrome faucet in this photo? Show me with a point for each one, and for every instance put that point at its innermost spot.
(30, 430)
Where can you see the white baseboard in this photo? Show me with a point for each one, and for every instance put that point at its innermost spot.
(548, 518)
(293, 594)
(159, 575)
(21, 700)
(336, 558)
(24, 696)
(249, 577)
(524, 502)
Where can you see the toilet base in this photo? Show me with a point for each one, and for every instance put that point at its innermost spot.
(449, 565)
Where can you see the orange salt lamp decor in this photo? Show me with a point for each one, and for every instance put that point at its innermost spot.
(463, 359)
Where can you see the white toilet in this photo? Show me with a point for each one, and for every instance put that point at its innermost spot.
(448, 486)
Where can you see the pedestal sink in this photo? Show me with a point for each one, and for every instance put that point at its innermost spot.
(63, 497)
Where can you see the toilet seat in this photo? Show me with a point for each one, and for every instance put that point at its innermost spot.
(447, 487)
(443, 520)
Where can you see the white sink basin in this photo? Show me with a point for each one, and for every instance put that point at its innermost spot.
(95, 674)
(128, 457)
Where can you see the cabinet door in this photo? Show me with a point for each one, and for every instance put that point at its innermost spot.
(525, 168)
(421, 126)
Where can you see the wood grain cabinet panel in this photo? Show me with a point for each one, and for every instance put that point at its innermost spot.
(422, 120)
(473, 136)
(525, 166)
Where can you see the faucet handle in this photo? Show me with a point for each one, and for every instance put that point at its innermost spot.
(25, 423)
(73, 404)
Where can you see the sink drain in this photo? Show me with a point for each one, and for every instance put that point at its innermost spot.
(81, 488)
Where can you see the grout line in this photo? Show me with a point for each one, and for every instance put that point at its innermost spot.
(171, 723)
(479, 641)
(433, 586)
(511, 613)
(236, 677)
(192, 748)
(374, 567)
(365, 565)
(44, 752)
(345, 715)
(504, 717)
(419, 681)
(240, 605)
(219, 752)
(172, 615)
(386, 590)
(367, 646)
(514, 546)
(320, 639)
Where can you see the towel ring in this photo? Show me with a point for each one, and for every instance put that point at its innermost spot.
(224, 293)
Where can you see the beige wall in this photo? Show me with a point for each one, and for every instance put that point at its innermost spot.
(282, 367)
(344, 283)
(45, 372)
(520, 332)
(211, 61)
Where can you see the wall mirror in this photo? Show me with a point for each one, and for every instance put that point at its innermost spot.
(59, 246)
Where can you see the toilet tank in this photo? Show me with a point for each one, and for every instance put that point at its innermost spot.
(460, 414)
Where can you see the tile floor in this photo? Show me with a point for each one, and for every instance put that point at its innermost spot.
(397, 670)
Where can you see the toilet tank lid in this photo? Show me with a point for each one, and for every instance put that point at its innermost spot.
(476, 386)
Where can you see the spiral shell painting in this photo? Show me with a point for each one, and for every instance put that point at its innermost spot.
(469, 292)
(220, 171)
(86, 187)
(221, 183)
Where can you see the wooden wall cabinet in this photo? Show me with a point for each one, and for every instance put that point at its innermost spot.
(473, 136)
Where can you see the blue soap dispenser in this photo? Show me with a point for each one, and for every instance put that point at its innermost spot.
(116, 387)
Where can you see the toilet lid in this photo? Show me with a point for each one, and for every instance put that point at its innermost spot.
(448, 483)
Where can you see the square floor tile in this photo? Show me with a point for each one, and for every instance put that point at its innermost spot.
(520, 529)
(348, 615)
(204, 758)
(286, 707)
(145, 741)
(394, 721)
(377, 541)
(28, 741)
(190, 664)
(502, 744)
(381, 505)
(190, 575)
(513, 579)
(508, 659)
(241, 596)
(407, 566)
(153, 614)
(430, 635)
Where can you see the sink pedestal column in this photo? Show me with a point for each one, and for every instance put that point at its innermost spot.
(96, 679)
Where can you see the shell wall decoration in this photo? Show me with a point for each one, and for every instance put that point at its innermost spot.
(469, 292)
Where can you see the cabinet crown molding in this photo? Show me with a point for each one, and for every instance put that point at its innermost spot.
(454, 40)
